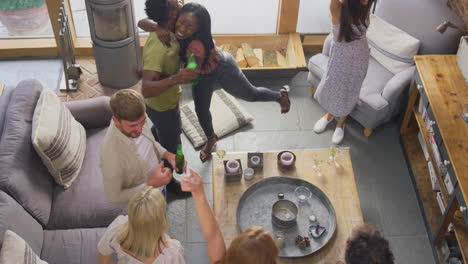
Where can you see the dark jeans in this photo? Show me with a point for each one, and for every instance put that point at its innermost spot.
(166, 127)
(231, 79)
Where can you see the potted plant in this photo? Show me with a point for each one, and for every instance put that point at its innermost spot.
(24, 17)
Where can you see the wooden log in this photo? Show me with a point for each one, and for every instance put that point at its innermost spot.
(269, 58)
(240, 59)
(231, 49)
(259, 53)
(281, 59)
(249, 55)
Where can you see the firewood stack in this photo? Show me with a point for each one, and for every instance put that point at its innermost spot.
(248, 57)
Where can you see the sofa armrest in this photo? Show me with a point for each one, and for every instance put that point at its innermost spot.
(397, 84)
(327, 45)
(375, 101)
(91, 113)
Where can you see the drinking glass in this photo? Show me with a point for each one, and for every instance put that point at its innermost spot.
(220, 153)
(334, 153)
(303, 193)
(316, 165)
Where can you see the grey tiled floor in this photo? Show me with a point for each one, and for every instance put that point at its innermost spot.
(385, 189)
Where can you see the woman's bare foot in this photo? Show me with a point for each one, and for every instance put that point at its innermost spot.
(205, 152)
(285, 103)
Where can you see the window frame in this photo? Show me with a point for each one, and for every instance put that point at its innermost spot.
(47, 47)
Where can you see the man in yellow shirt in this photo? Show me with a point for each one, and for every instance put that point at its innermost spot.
(162, 78)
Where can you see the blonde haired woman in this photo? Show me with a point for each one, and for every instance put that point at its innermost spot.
(254, 245)
(141, 236)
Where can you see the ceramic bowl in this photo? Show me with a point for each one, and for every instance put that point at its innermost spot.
(284, 213)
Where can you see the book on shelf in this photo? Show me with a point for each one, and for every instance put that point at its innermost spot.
(435, 151)
(433, 176)
(448, 183)
(440, 202)
(423, 146)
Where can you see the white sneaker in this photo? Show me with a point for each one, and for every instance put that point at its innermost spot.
(338, 135)
(321, 124)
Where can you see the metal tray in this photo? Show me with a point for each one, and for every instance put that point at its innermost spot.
(255, 206)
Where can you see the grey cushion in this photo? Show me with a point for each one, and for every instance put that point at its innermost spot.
(376, 79)
(73, 246)
(317, 66)
(91, 113)
(22, 174)
(13, 217)
(84, 203)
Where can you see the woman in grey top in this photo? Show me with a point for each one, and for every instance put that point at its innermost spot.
(338, 91)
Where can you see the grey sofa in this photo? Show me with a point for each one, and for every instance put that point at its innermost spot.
(61, 226)
(382, 92)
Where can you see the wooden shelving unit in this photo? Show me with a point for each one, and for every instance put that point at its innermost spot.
(425, 136)
(446, 90)
(422, 178)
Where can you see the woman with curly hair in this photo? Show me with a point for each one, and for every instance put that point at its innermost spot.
(193, 30)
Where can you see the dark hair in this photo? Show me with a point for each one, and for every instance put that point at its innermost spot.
(204, 30)
(353, 12)
(157, 10)
(367, 246)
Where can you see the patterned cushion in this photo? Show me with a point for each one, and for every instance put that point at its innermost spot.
(58, 138)
(227, 115)
(16, 250)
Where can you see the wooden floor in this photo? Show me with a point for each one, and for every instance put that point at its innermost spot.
(89, 85)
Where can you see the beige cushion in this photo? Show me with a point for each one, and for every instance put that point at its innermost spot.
(58, 138)
(391, 46)
(16, 251)
(226, 112)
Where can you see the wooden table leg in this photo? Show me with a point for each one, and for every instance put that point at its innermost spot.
(446, 220)
(409, 109)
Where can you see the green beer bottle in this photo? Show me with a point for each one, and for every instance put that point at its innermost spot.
(192, 64)
(179, 159)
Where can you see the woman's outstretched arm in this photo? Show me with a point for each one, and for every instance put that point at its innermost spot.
(335, 11)
(214, 238)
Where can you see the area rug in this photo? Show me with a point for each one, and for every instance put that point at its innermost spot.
(227, 115)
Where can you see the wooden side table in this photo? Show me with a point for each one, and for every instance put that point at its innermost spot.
(439, 91)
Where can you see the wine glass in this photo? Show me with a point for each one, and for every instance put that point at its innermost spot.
(316, 164)
(220, 153)
(334, 152)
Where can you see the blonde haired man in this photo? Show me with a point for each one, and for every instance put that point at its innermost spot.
(130, 157)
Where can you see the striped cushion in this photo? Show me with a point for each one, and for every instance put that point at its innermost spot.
(58, 138)
(16, 250)
(227, 115)
(391, 46)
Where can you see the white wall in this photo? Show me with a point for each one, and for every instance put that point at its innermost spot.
(314, 17)
(242, 16)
